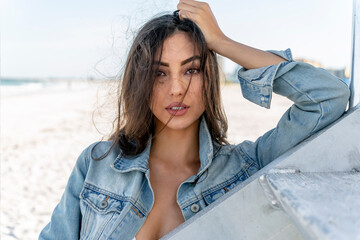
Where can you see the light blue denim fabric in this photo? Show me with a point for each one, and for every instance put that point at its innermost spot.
(111, 198)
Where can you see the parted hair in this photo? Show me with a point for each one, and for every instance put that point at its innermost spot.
(134, 123)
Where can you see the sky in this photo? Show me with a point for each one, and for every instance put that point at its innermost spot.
(82, 39)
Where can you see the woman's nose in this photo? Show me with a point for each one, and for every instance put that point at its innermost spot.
(177, 87)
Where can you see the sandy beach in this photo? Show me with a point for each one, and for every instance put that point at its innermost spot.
(44, 131)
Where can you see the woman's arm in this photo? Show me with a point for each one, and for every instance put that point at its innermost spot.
(66, 218)
(246, 56)
(319, 97)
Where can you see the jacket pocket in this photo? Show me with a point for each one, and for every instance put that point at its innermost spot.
(100, 209)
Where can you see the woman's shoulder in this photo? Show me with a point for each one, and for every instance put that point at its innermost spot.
(97, 159)
(222, 149)
(101, 150)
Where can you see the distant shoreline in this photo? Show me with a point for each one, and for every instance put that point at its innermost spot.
(21, 81)
(19, 87)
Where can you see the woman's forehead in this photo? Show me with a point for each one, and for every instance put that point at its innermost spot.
(177, 47)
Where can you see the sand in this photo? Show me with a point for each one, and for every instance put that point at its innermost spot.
(44, 131)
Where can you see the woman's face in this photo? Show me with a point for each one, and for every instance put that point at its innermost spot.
(177, 65)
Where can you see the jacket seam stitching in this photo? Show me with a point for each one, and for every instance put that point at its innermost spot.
(85, 226)
(311, 99)
(298, 90)
(227, 182)
(104, 225)
(105, 192)
(119, 222)
(242, 152)
(87, 159)
(319, 119)
(237, 176)
(246, 155)
(138, 204)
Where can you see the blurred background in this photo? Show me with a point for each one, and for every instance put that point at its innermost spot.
(59, 60)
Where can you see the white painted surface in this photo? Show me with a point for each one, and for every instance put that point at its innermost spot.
(355, 57)
(324, 206)
(336, 148)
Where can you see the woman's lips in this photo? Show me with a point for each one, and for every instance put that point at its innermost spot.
(177, 112)
(177, 104)
(177, 108)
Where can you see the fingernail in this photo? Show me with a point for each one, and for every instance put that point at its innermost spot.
(176, 13)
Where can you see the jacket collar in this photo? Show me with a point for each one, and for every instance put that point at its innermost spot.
(141, 161)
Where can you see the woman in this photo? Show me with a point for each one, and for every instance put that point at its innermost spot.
(168, 158)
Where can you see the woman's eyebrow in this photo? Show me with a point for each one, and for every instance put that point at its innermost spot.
(190, 59)
(193, 58)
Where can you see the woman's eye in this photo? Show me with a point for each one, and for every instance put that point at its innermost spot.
(160, 73)
(193, 71)
(160, 77)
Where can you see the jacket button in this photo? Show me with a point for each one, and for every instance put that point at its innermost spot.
(103, 204)
(195, 208)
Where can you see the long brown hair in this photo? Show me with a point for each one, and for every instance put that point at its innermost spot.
(135, 121)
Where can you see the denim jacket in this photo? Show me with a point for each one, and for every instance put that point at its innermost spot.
(111, 198)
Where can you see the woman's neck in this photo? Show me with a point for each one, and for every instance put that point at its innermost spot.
(176, 148)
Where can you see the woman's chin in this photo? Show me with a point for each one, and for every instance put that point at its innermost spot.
(179, 123)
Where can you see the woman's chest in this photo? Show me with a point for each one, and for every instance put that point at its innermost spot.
(165, 214)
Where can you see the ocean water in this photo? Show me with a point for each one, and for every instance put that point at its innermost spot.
(17, 86)
(14, 82)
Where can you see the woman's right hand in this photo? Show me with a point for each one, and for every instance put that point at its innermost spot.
(201, 14)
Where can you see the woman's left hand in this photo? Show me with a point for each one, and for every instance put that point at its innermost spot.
(246, 56)
(201, 14)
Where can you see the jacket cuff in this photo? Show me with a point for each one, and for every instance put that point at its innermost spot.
(257, 84)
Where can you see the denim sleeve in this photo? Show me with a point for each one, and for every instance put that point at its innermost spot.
(319, 99)
(66, 217)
